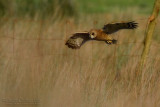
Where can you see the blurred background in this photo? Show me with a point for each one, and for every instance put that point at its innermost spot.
(36, 65)
(45, 8)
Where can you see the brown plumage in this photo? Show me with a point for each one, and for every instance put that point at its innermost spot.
(78, 39)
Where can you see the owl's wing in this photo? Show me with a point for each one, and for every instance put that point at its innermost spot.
(114, 27)
(77, 40)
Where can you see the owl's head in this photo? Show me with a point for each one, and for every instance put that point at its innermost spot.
(92, 33)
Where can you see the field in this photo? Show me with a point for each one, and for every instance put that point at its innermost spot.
(101, 6)
(36, 65)
(47, 8)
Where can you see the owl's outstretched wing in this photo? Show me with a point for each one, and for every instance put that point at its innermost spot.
(77, 40)
(114, 27)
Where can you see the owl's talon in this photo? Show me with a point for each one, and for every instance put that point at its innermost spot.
(109, 42)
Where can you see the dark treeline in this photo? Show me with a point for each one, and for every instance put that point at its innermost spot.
(41, 8)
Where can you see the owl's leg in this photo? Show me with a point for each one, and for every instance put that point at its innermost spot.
(111, 41)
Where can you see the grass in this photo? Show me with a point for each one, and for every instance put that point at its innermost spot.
(92, 6)
(62, 8)
(34, 66)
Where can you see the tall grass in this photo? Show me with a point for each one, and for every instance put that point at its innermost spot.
(32, 8)
(63, 8)
(96, 75)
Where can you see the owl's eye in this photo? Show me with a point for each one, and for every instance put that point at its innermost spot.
(92, 33)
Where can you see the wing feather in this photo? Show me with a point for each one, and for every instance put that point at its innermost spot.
(111, 28)
(77, 40)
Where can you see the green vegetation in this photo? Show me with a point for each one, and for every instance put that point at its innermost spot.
(36, 7)
(91, 6)
(69, 7)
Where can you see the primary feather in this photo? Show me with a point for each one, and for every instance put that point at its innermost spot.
(77, 40)
(114, 27)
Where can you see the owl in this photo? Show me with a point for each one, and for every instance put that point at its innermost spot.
(104, 34)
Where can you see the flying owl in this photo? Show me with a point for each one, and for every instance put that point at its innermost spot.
(104, 34)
